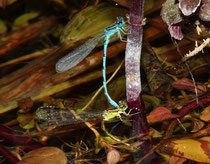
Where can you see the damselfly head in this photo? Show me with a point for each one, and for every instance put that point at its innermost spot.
(123, 104)
(120, 21)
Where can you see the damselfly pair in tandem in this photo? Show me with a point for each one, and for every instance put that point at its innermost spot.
(57, 116)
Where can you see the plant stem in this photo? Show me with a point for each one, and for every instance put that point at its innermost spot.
(132, 66)
(133, 81)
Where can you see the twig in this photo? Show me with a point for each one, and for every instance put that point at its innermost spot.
(198, 48)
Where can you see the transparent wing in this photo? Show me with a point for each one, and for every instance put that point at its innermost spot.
(62, 116)
(76, 56)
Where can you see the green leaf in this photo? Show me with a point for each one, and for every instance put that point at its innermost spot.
(5, 3)
(91, 21)
(26, 120)
(109, 140)
(98, 146)
(3, 27)
(23, 20)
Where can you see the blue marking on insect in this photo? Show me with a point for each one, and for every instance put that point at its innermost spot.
(76, 56)
(109, 31)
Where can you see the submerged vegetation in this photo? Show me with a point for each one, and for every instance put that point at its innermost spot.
(51, 117)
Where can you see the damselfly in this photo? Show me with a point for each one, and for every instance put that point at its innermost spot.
(116, 28)
(76, 56)
(63, 116)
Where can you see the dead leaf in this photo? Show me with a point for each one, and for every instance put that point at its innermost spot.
(160, 114)
(193, 149)
(205, 114)
(187, 84)
(176, 160)
(197, 124)
(45, 155)
(125, 3)
(207, 138)
(205, 131)
(25, 104)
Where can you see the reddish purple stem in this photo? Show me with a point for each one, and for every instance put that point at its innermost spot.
(12, 136)
(186, 109)
(8, 155)
(133, 80)
(132, 64)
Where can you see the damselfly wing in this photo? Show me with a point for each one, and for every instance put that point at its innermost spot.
(57, 116)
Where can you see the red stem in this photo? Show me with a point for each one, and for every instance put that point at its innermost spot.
(186, 109)
(8, 155)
